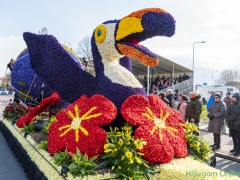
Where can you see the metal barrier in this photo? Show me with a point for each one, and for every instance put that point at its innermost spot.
(184, 86)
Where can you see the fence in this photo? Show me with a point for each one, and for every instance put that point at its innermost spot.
(184, 86)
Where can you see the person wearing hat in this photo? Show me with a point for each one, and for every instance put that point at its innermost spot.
(182, 106)
(154, 91)
(228, 101)
(194, 109)
(217, 112)
(233, 121)
(211, 99)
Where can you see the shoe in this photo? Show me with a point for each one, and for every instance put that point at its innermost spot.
(217, 148)
(236, 153)
(213, 147)
(233, 150)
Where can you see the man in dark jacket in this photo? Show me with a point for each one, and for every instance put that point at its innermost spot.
(233, 120)
(194, 109)
(217, 112)
(175, 95)
(228, 101)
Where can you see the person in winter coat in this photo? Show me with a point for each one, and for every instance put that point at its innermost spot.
(194, 109)
(204, 101)
(233, 120)
(154, 91)
(162, 96)
(217, 113)
(175, 95)
(182, 106)
(170, 97)
(211, 99)
(228, 101)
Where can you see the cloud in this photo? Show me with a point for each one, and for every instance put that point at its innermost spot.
(10, 48)
(215, 22)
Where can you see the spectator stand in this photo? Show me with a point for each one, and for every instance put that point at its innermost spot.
(167, 74)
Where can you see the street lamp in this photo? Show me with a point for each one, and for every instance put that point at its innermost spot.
(212, 76)
(193, 60)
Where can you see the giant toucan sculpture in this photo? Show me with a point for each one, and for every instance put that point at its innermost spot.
(112, 43)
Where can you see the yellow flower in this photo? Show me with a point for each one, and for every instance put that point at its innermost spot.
(131, 161)
(206, 147)
(119, 134)
(114, 152)
(139, 144)
(108, 150)
(111, 145)
(113, 167)
(128, 154)
(130, 178)
(139, 161)
(106, 146)
(127, 128)
(120, 142)
(146, 165)
(198, 143)
(141, 154)
(119, 167)
(128, 135)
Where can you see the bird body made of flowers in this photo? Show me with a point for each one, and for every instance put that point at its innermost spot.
(77, 126)
(158, 125)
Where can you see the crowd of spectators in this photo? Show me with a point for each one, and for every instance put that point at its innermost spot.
(164, 82)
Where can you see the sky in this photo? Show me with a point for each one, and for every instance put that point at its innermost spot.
(213, 21)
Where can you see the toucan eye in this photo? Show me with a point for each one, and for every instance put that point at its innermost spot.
(100, 33)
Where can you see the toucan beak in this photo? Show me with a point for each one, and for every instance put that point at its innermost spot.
(139, 26)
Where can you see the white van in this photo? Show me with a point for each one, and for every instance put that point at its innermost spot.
(205, 91)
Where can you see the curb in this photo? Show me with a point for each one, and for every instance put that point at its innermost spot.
(227, 156)
(224, 154)
(206, 130)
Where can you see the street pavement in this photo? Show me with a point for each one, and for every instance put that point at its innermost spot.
(226, 143)
(10, 169)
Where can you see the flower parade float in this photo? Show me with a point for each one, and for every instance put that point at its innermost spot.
(111, 129)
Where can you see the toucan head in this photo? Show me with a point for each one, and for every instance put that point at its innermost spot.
(118, 38)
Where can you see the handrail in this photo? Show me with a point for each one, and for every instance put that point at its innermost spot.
(185, 85)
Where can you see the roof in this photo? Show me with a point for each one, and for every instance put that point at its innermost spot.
(165, 66)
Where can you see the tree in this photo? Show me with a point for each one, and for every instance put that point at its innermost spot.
(228, 77)
(84, 48)
(43, 31)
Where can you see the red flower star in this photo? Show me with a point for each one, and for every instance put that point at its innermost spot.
(78, 126)
(159, 125)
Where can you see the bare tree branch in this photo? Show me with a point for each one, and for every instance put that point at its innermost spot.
(44, 30)
(84, 48)
(228, 77)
